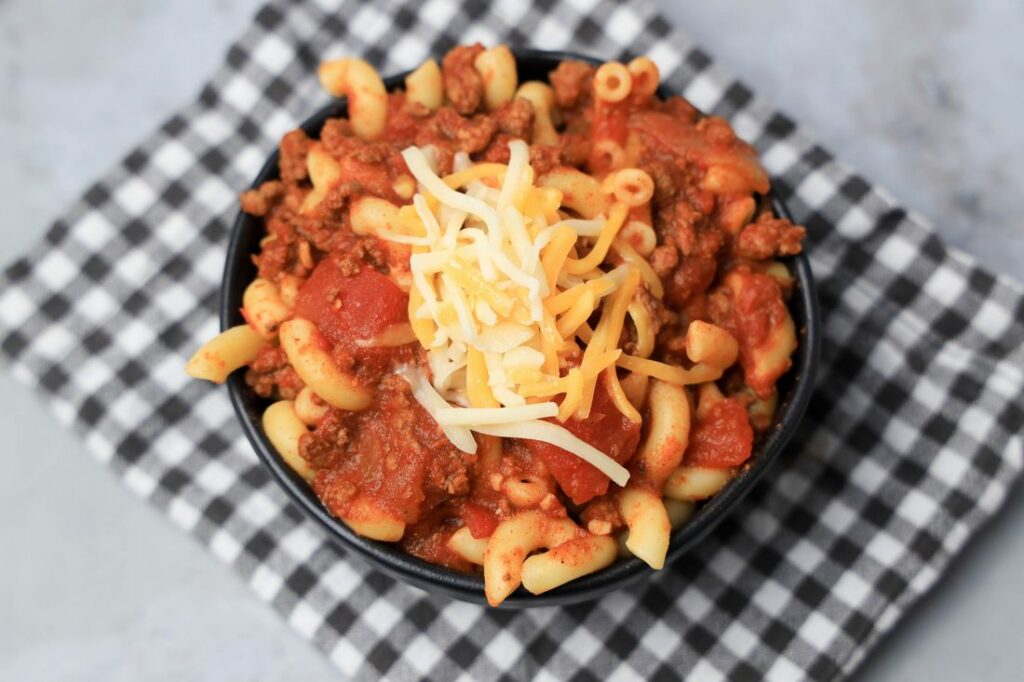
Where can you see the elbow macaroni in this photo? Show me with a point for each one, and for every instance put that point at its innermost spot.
(497, 69)
(264, 308)
(372, 216)
(367, 98)
(309, 407)
(648, 523)
(510, 544)
(542, 98)
(644, 77)
(425, 85)
(612, 82)
(301, 343)
(631, 186)
(224, 353)
(568, 561)
(367, 519)
(324, 174)
(710, 344)
(690, 483)
(668, 432)
(580, 192)
(284, 429)
(468, 547)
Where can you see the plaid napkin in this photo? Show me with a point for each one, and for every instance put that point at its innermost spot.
(911, 442)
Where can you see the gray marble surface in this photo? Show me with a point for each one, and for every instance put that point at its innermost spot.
(923, 97)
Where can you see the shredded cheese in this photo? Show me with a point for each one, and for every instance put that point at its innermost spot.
(546, 432)
(503, 283)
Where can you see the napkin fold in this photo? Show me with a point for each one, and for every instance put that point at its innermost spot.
(911, 442)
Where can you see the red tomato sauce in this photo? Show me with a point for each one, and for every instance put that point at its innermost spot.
(393, 454)
(606, 429)
(723, 439)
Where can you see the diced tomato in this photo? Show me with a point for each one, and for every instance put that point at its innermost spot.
(723, 438)
(607, 430)
(349, 307)
(480, 520)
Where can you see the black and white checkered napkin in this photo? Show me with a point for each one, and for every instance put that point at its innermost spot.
(912, 440)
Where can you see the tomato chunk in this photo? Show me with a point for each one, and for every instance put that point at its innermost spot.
(348, 306)
(723, 438)
(480, 520)
(607, 430)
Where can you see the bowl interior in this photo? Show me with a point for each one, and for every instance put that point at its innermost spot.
(794, 393)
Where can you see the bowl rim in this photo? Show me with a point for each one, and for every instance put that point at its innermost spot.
(439, 580)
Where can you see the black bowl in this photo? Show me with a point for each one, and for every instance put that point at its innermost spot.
(794, 392)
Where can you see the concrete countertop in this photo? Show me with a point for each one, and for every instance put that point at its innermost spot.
(923, 98)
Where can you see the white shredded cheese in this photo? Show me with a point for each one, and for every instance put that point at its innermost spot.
(479, 270)
(546, 432)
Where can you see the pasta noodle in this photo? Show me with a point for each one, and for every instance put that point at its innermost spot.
(691, 484)
(300, 342)
(225, 353)
(424, 86)
(648, 523)
(631, 186)
(567, 561)
(468, 547)
(608, 154)
(542, 98)
(510, 544)
(644, 76)
(367, 98)
(368, 520)
(264, 308)
(324, 174)
(668, 432)
(580, 192)
(284, 429)
(612, 82)
(309, 407)
(497, 68)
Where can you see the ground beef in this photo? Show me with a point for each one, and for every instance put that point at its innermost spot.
(337, 138)
(470, 135)
(259, 201)
(544, 158)
(272, 259)
(462, 84)
(323, 232)
(515, 118)
(324, 448)
(293, 150)
(270, 375)
(664, 258)
(768, 237)
(692, 276)
(497, 151)
(572, 83)
(603, 512)
(665, 175)
(698, 241)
